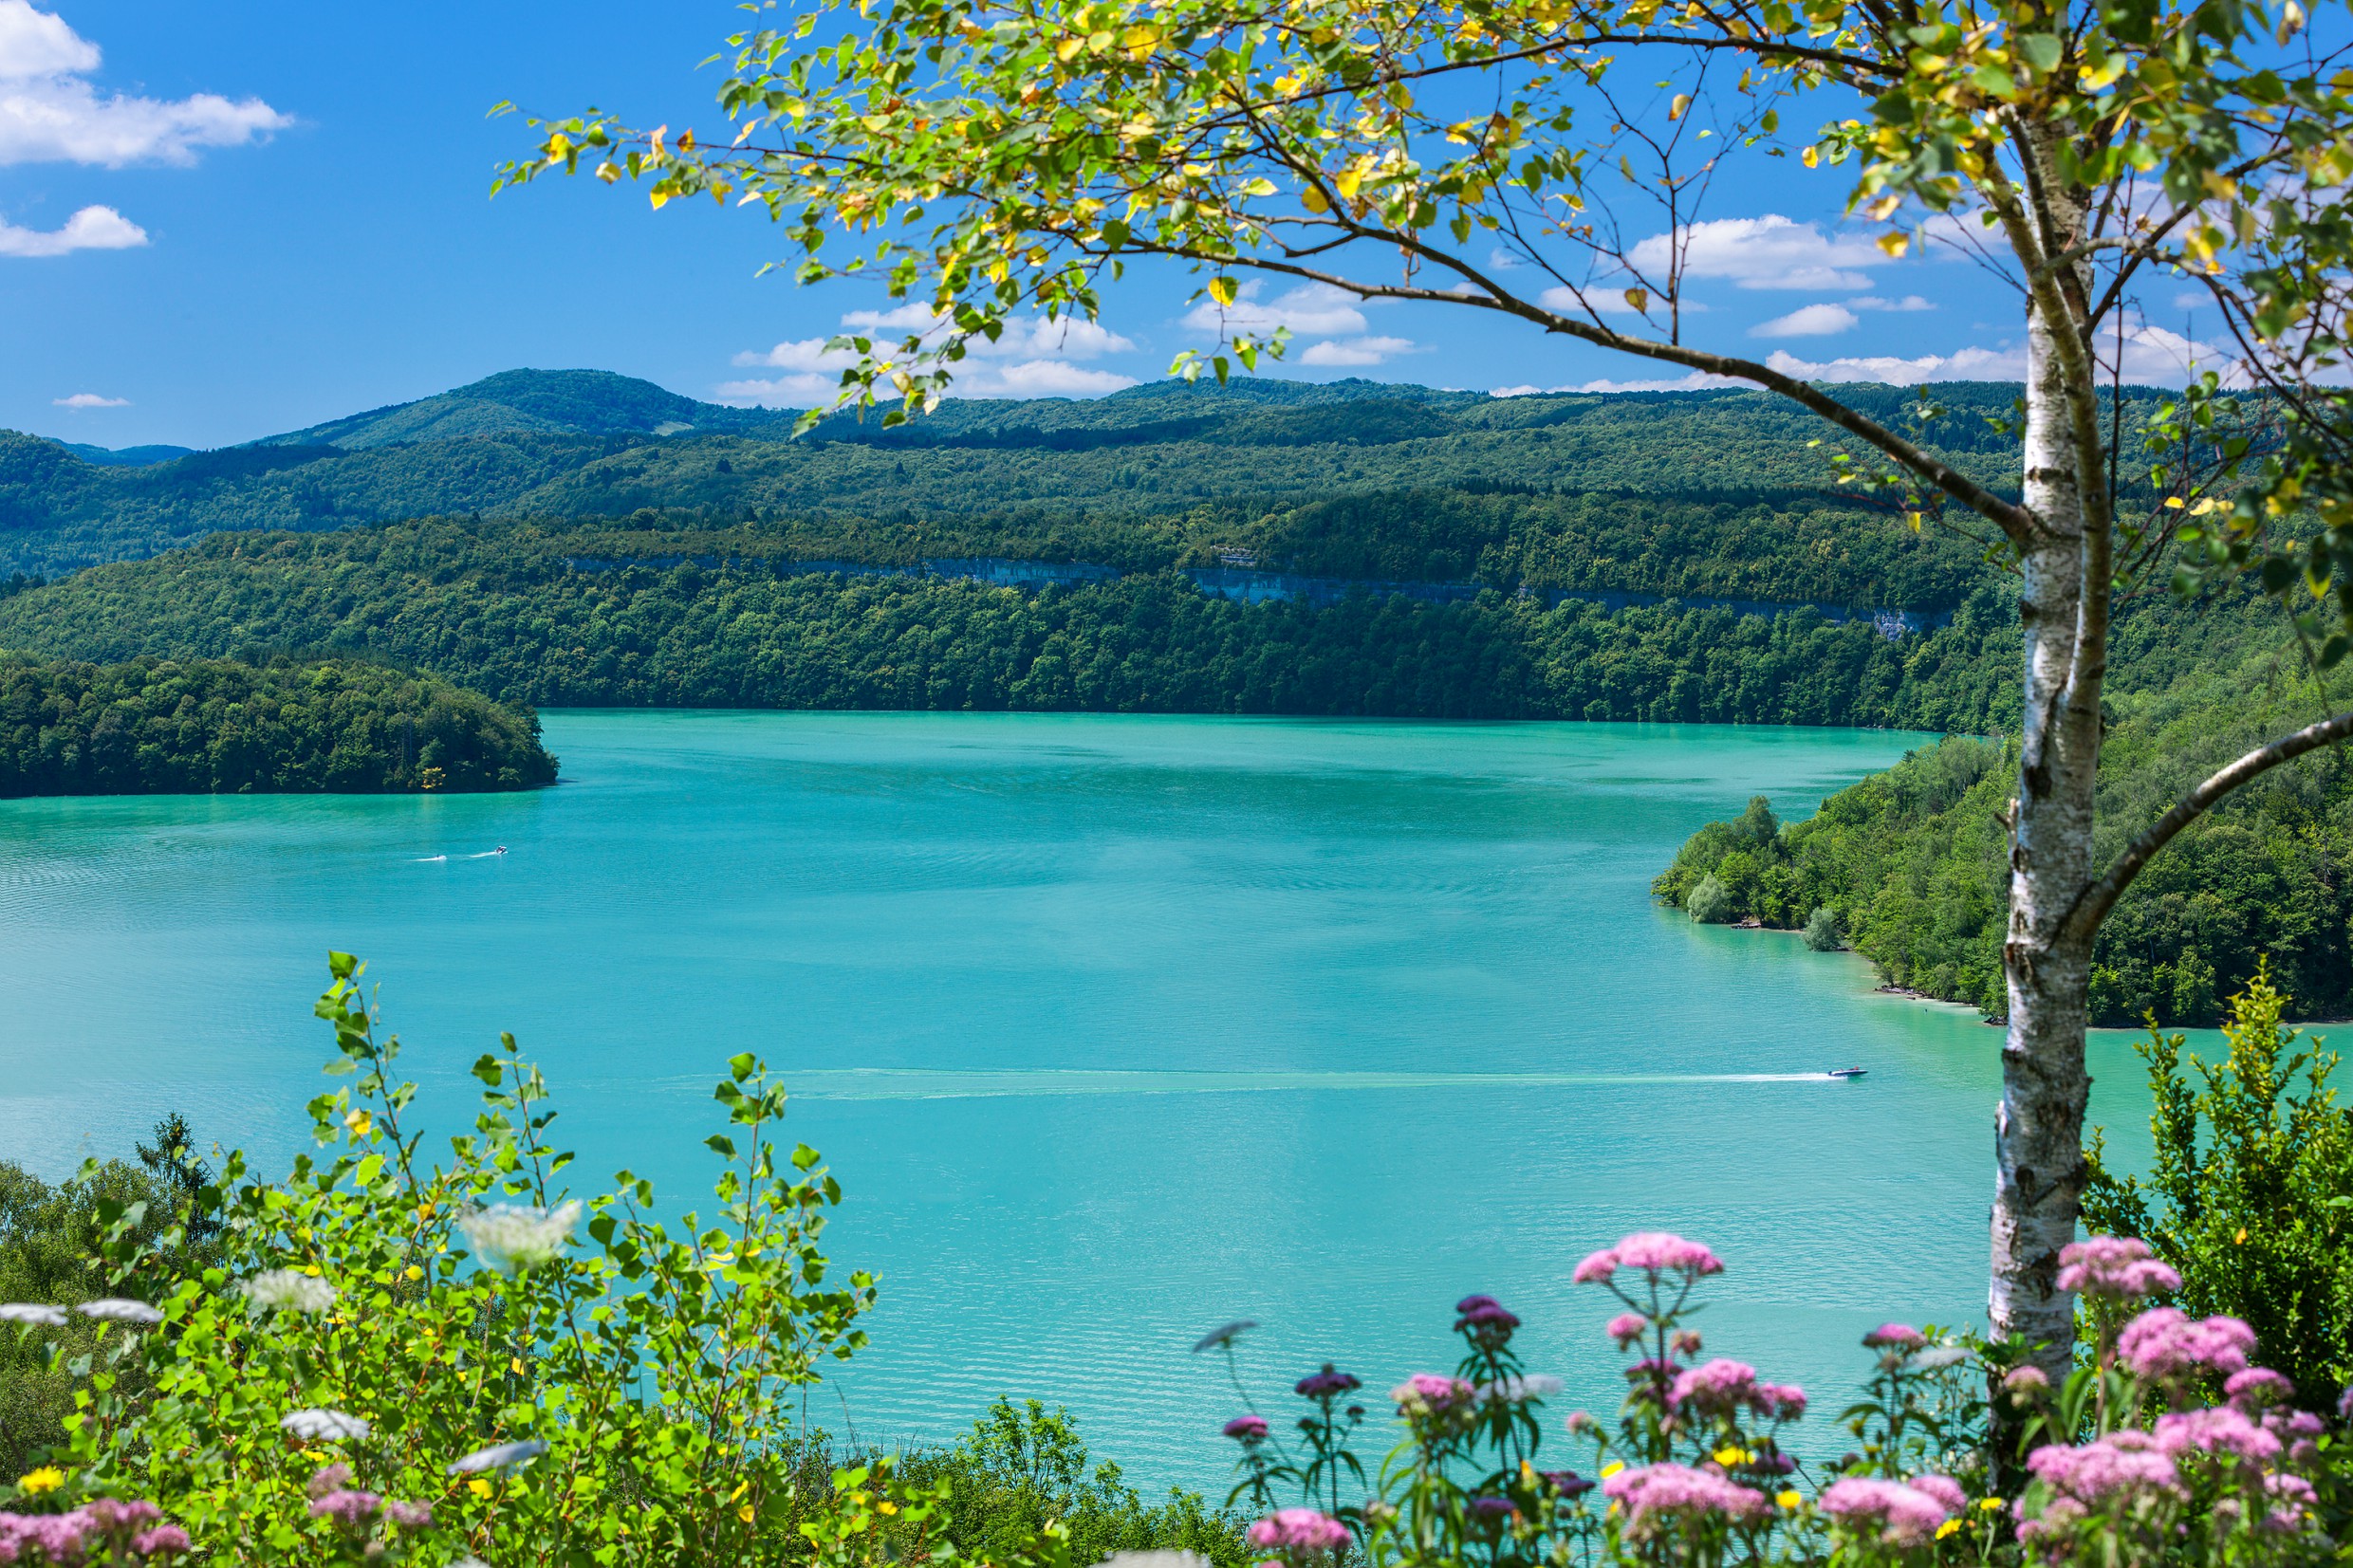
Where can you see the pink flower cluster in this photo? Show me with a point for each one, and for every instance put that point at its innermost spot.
(2166, 1343)
(1657, 1495)
(1895, 1336)
(2117, 1266)
(1724, 1388)
(1654, 1252)
(1628, 1327)
(2120, 1468)
(59, 1540)
(1428, 1393)
(1299, 1533)
(1902, 1513)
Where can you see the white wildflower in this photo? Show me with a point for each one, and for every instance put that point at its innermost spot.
(1936, 1359)
(1516, 1389)
(507, 1237)
(290, 1290)
(114, 1309)
(31, 1312)
(319, 1426)
(503, 1456)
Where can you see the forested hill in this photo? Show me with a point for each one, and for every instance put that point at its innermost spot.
(1910, 866)
(200, 727)
(579, 444)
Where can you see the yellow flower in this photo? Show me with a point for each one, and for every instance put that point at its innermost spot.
(1728, 1455)
(361, 1123)
(1947, 1528)
(47, 1479)
(1790, 1499)
(886, 1508)
(478, 1486)
(1990, 1503)
(1612, 1468)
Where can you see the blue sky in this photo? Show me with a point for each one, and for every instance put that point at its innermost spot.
(220, 222)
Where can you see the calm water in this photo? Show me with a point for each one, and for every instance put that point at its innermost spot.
(1115, 1029)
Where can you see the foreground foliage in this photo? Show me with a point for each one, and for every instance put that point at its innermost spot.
(389, 1357)
(216, 726)
(2250, 1197)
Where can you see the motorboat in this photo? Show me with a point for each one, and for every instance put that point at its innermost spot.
(1846, 1072)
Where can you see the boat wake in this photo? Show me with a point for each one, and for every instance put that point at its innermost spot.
(919, 1083)
(427, 859)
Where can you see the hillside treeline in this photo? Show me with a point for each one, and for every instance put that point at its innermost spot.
(1133, 480)
(1911, 864)
(209, 726)
(497, 608)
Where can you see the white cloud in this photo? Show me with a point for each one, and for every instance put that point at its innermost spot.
(91, 228)
(52, 113)
(90, 400)
(1029, 358)
(1968, 364)
(2152, 356)
(1500, 260)
(1601, 300)
(1357, 351)
(1808, 321)
(1910, 302)
(1312, 310)
(1772, 252)
(1697, 381)
(1024, 337)
(36, 44)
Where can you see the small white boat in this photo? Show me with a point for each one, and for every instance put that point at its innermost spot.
(1846, 1072)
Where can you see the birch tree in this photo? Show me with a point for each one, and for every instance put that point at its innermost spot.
(991, 157)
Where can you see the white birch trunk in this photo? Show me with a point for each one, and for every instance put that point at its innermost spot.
(2039, 1128)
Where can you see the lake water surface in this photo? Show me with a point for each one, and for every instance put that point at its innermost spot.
(1114, 1028)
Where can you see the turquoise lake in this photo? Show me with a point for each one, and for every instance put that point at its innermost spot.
(1114, 1029)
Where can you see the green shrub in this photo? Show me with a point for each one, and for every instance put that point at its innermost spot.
(1822, 930)
(2250, 1195)
(1711, 902)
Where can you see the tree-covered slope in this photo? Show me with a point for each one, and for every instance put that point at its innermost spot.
(1912, 862)
(572, 445)
(178, 726)
(534, 614)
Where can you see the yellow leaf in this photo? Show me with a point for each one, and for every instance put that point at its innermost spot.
(744, 1513)
(1811, 157)
(1612, 1468)
(2176, 501)
(1894, 244)
(1676, 110)
(2242, 1235)
(1348, 183)
(1067, 49)
(1639, 299)
(1312, 199)
(1224, 290)
(478, 1486)
(658, 200)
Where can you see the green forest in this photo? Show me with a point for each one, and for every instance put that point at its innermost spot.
(205, 726)
(1909, 867)
(499, 608)
(1159, 474)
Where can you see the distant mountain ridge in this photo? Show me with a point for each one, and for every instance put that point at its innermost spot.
(584, 444)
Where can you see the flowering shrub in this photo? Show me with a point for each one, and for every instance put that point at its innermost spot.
(385, 1357)
(2172, 1448)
